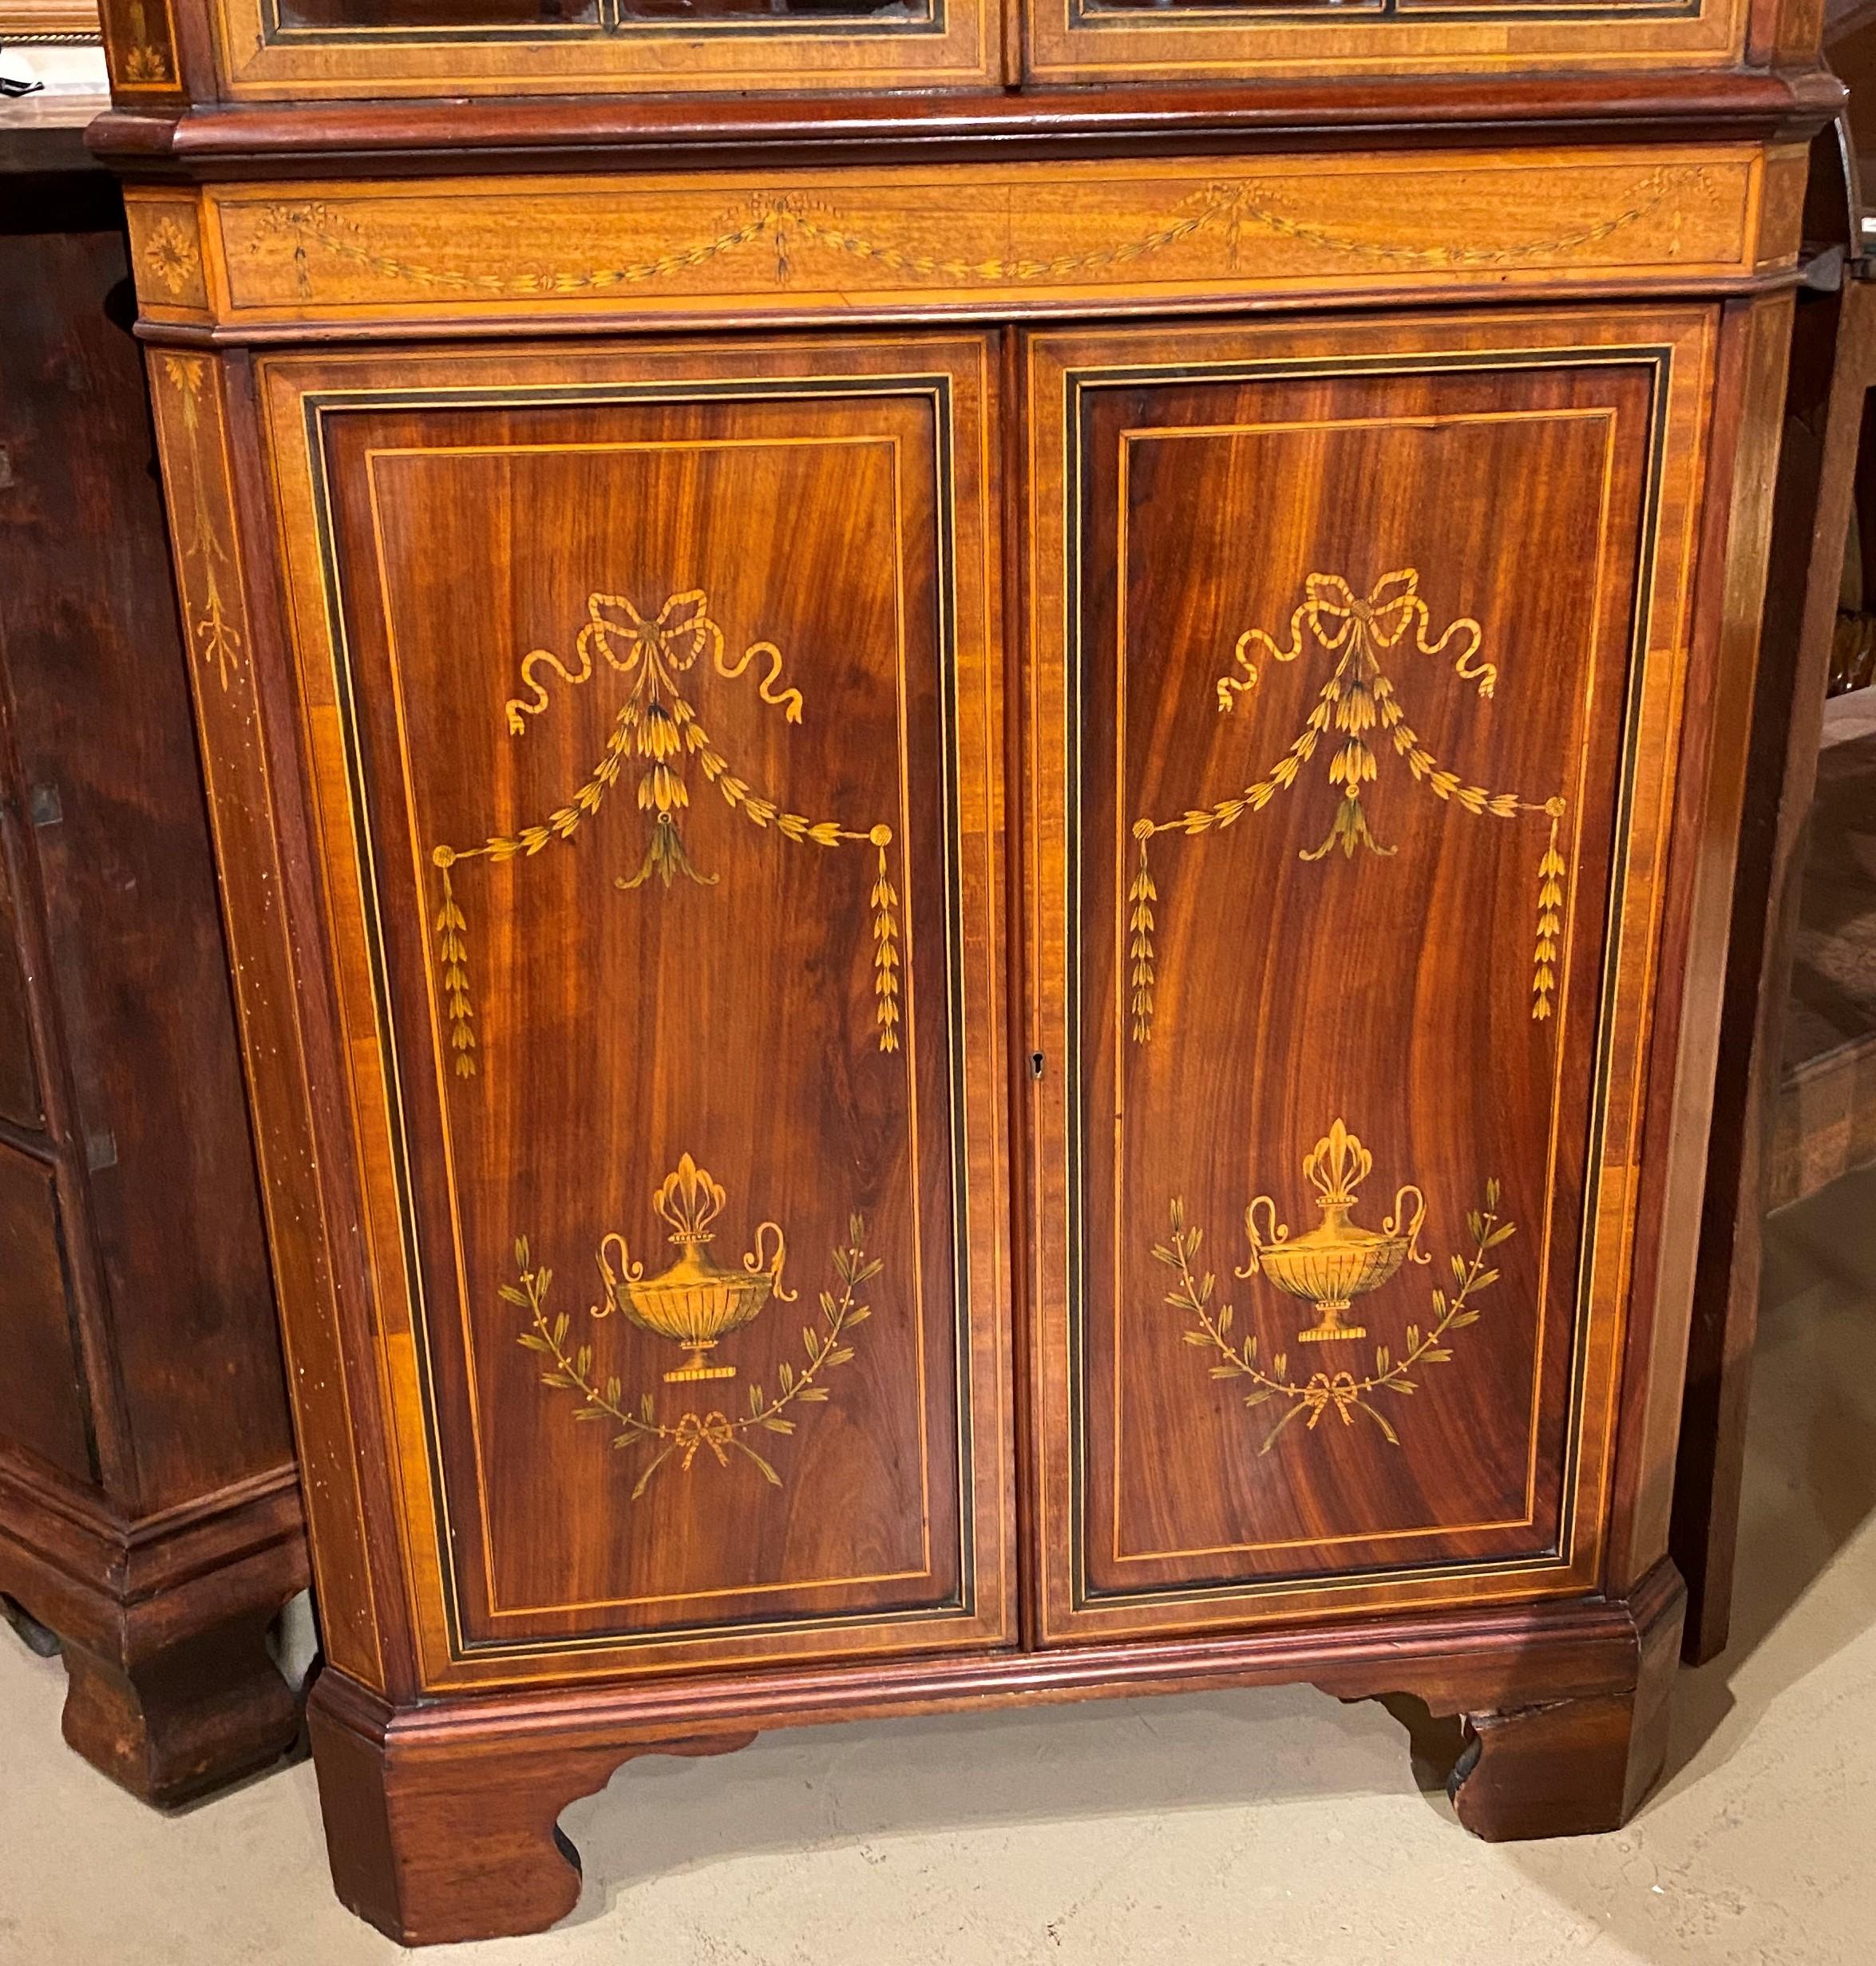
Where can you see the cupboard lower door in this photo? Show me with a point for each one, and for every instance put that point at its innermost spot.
(654, 709)
(1358, 654)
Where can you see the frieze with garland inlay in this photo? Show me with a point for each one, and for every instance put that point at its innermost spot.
(1031, 235)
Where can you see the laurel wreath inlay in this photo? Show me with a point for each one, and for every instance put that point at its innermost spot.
(569, 1364)
(1331, 1390)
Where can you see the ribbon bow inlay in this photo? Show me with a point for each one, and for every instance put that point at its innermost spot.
(1324, 1391)
(711, 1430)
(1331, 611)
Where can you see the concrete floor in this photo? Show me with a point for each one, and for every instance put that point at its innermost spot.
(1259, 1827)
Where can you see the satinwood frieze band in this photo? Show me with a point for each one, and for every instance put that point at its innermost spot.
(1019, 236)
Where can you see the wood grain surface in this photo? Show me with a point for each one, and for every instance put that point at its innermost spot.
(442, 1817)
(1834, 360)
(768, 946)
(43, 1406)
(1270, 960)
(1399, 112)
(20, 1103)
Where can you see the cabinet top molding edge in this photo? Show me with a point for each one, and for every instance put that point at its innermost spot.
(546, 133)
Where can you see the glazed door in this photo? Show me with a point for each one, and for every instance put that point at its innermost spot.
(303, 50)
(654, 699)
(1353, 749)
(1214, 40)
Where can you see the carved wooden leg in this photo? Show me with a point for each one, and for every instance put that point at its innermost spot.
(186, 1718)
(1571, 1767)
(437, 1834)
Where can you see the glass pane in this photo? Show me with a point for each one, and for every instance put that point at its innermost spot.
(1357, 10)
(781, 10)
(1311, 9)
(443, 16)
(553, 17)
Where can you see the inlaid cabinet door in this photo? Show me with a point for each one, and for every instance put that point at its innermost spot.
(1358, 653)
(654, 704)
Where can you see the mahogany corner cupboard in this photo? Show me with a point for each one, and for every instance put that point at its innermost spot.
(976, 841)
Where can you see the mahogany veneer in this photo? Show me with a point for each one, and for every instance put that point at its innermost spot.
(976, 852)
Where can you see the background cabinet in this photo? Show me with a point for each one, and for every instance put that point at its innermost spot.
(150, 1512)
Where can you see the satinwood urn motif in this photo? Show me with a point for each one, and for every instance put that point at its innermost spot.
(1338, 1261)
(697, 1300)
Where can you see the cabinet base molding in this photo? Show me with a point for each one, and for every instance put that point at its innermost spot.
(442, 1818)
(456, 1835)
(163, 1623)
(1579, 1765)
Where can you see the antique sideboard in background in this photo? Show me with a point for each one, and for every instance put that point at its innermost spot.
(976, 823)
(150, 1517)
